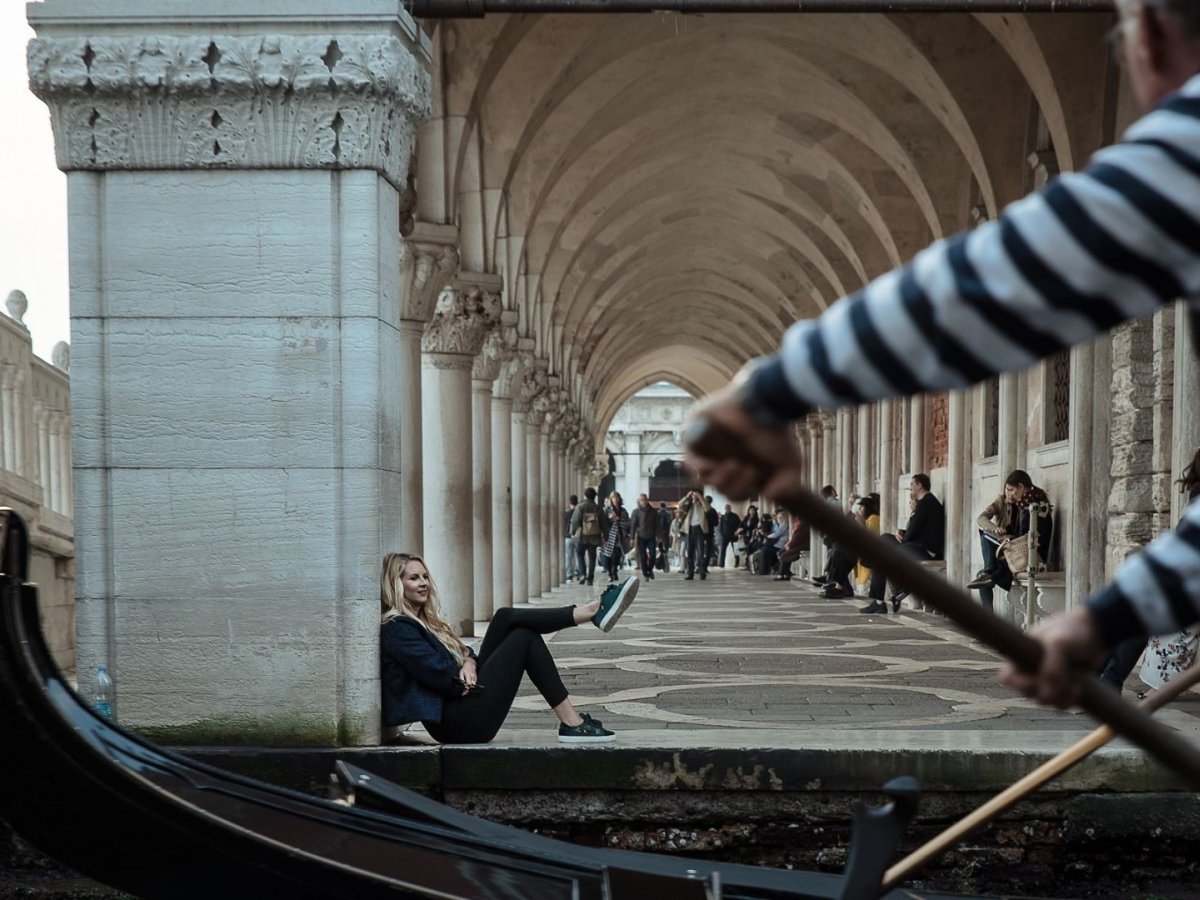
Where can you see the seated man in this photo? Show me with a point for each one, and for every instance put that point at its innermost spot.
(924, 538)
(1020, 496)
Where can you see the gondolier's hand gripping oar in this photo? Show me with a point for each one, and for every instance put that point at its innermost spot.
(709, 441)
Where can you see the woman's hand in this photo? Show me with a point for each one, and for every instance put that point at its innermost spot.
(468, 675)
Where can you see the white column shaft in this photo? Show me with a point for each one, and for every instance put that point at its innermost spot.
(502, 526)
(412, 505)
(533, 492)
(520, 503)
(481, 452)
(447, 485)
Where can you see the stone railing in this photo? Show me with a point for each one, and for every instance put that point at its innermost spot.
(35, 469)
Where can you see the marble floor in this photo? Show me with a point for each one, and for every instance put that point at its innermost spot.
(740, 660)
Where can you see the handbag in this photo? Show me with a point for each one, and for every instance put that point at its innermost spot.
(1016, 555)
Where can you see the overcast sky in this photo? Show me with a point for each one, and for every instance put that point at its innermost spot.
(33, 194)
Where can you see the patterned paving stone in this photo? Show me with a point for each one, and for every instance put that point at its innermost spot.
(772, 659)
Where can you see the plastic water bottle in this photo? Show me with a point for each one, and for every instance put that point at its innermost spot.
(102, 699)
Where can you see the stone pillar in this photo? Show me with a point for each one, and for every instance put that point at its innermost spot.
(1011, 443)
(1185, 410)
(452, 339)
(846, 445)
(1084, 521)
(497, 347)
(428, 260)
(549, 498)
(916, 439)
(631, 481)
(502, 499)
(865, 480)
(533, 494)
(520, 526)
(234, 184)
(889, 472)
(958, 489)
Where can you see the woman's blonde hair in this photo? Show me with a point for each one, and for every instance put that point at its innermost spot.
(393, 604)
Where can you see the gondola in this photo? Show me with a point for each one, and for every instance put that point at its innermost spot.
(125, 812)
(159, 825)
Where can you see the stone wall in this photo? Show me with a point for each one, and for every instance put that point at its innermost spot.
(1139, 500)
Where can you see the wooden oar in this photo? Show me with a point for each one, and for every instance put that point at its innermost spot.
(1168, 746)
(1018, 791)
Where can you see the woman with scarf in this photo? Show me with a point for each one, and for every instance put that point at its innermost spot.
(617, 541)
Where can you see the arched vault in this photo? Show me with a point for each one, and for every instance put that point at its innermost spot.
(664, 195)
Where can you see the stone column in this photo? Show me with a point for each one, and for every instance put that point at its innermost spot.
(497, 346)
(428, 261)
(846, 477)
(549, 499)
(461, 321)
(1010, 441)
(520, 527)
(533, 499)
(866, 451)
(889, 472)
(631, 481)
(1185, 410)
(916, 438)
(234, 187)
(958, 489)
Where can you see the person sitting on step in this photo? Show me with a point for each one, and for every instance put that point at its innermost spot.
(429, 675)
(1007, 519)
(924, 538)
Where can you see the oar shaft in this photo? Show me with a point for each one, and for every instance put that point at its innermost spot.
(1019, 790)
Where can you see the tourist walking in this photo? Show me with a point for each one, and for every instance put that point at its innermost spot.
(662, 537)
(679, 539)
(587, 528)
(643, 524)
(727, 529)
(572, 562)
(695, 520)
(616, 542)
(429, 675)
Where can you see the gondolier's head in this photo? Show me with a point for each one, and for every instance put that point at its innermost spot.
(1158, 42)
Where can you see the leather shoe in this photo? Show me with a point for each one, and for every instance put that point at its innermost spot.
(983, 581)
(832, 592)
(875, 607)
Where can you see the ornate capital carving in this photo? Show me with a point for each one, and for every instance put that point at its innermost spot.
(461, 320)
(428, 263)
(345, 101)
(498, 347)
(534, 383)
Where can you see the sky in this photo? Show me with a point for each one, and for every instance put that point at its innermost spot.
(33, 194)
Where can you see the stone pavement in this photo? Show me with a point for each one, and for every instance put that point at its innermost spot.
(741, 660)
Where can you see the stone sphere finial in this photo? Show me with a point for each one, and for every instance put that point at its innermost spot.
(61, 356)
(17, 303)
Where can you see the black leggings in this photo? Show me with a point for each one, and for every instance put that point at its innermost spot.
(512, 647)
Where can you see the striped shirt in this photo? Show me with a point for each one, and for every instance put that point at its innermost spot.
(1091, 250)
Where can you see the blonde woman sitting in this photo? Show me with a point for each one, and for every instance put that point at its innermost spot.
(429, 675)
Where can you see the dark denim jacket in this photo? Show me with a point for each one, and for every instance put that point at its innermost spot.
(416, 672)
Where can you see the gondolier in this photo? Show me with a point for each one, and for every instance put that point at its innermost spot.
(1089, 251)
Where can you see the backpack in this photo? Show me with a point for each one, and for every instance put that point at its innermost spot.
(589, 525)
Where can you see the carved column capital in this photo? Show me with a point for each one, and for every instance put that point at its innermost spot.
(498, 347)
(225, 101)
(534, 383)
(428, 264)
(461, 321)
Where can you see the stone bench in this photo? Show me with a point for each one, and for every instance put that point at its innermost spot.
(913, 601)
(1051, 590)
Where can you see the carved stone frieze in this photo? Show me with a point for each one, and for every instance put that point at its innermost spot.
(461, 320)
(498, 346)
(534, 382)
(324, 101)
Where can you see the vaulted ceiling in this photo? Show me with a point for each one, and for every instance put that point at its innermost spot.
(664, 194)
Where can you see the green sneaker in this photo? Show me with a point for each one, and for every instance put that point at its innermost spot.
(589, 731)
(613, 603)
